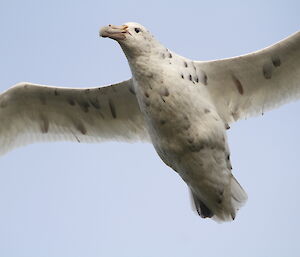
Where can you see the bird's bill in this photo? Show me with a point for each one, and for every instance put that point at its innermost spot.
(114, 32)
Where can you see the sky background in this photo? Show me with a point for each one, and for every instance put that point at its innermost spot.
(118, 199)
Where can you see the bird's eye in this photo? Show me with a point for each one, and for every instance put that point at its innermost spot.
(137, 30)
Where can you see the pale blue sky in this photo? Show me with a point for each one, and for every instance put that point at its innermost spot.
(117, 199)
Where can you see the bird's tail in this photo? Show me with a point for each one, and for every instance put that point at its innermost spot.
(224, 209)
(238, 194)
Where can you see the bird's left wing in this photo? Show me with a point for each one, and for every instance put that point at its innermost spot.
(31, 112)
(251, 84)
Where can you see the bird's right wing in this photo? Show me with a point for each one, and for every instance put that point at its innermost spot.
(31, 112)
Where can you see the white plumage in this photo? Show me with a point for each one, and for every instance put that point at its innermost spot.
(31, 113)
(182, 106)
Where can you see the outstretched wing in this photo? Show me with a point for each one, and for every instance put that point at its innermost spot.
(251, 84)
(30, 112)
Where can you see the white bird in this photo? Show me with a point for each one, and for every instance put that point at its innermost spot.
(183, 107)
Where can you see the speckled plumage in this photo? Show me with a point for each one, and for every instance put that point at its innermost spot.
(182, 106)
(185, 128)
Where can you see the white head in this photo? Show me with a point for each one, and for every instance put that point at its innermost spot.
(134, 38)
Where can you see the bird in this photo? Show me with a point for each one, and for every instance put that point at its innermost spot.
(183, 107)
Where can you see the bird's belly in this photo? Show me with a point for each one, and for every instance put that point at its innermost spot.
(179, 121)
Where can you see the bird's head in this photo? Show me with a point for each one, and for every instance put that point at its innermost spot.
(134, 38)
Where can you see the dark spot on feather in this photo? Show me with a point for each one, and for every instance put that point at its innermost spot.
(233, 216)
(146, 94)
(44, 125)
(84, 105)
(221, 192)
(164, 92)
(197, 79)
(112, 108)
(71, 101)
(182, 76)
(196, 147)
(276, 61)
(228, 157)
(170, 55)
(131, 90)
(203, 77)
(81, 128)
(227, 126)
(190, 77)
(56, 92)
(162, 122)
(190, 140)
(87, 90)
(238, 85)
(206, 111)
(150, 75)
(163, 56)
(95, 103)
(267, 70)
(185, 64)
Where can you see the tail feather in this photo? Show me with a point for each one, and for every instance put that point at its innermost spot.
(238, 195)
(202, 210)
(234, 198)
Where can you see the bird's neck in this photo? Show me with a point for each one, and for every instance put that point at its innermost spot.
(145, 62)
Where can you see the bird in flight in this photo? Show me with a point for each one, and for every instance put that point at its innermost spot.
(183, 107)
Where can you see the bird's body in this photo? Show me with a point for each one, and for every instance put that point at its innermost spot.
(185, 128)
(182, 107)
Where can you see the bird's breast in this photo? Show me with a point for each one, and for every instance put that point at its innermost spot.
(177, 113)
